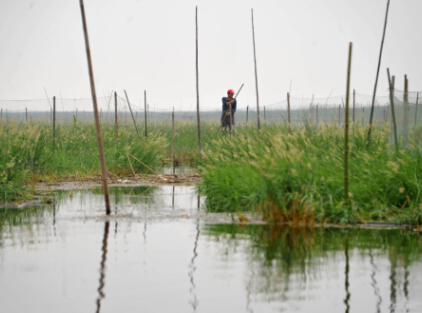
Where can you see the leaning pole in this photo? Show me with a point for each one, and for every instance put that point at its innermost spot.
(256, 74)
(97, 119)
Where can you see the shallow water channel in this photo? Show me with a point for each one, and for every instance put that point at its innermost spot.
(161, 252)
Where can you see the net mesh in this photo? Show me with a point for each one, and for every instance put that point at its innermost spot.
(408, 115)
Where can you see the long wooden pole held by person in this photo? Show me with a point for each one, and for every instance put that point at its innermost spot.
(391, 86)
(346, 131)
(376, 79)
(145, 110)
(197, 85)
(97, 119)
(256, 74)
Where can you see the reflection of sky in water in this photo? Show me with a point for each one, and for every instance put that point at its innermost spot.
(68, 258)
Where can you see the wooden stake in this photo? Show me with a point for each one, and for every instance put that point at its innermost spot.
(145, 110)
(376, 79)
(247, 112)
(354, 98)
(174, 149)
(197, 85)
(346, 131)
(116, 122)
(405, 111)
(97, 119)
(131, 114)
(54, 123)
(256, 74)
(391, 84)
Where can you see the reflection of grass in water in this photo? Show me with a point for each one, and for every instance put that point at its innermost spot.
(28, 218)
(282, 258)
(135, 194)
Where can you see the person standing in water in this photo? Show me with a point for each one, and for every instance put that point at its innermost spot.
(229, 108)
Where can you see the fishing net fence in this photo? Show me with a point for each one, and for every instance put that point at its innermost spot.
(302, 110)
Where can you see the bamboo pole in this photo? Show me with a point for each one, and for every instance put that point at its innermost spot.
(97, 120)
(354, 104)
(288, 107)
(256, 74)
(391, 84)
(346, 131)
(145, 110)
(405, 111)
(174, 149)
(131, 114)
(54, 123)
(247, 113)
(197, 85)
(416, 109)
(116, 122)
(376, 79)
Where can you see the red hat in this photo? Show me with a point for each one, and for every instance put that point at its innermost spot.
(230, 91)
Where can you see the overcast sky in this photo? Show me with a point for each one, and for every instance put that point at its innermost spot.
(150, 45)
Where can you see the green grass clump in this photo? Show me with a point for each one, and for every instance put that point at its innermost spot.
(297, 175)
(26, 153)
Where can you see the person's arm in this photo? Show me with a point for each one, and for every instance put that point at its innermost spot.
(224, 100)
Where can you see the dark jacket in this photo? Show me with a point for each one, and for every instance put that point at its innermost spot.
(226, 106)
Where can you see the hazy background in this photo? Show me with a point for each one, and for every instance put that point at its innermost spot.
(150, 45)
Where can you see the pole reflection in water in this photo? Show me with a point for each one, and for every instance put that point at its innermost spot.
(101, 294)
(194, 301)
(115, 212)
(374, 282)
(393, 283)
(346, 252)
(172, 200)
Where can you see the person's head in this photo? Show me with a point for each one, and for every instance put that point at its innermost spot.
(230, 93)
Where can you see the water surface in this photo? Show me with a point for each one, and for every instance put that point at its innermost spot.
(159, 252)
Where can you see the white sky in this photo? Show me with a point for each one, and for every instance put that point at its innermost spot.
(150, 45)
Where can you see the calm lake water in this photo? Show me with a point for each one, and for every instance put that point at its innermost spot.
(160, 253)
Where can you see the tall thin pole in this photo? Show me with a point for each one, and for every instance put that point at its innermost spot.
(197, 84)
(97, 119)
(354, 104)
(247, 112)
(288, 107)
(26, 112)
(316, 108)
(54, 123)
(174, 149)
(376, 79)
(390, 83)
(131, 114)
(405, 110)
(416, 109)
(116, 122)
(145, 110)
(346, 131)
(256, 73)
